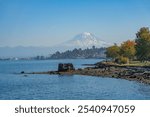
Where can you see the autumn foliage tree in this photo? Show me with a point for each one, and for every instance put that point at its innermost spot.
(127, 49)
(123, 53)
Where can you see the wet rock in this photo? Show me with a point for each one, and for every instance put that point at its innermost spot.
(80, 69)
(22, 72)
(65, 67)
(101, 65)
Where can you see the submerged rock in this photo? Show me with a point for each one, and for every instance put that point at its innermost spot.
(25, 75)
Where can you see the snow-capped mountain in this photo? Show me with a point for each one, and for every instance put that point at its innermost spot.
(85, 40)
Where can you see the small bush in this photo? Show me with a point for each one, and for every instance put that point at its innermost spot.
(122, 60)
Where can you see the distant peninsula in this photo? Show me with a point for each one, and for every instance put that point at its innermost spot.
(79, 53)
(89, 53)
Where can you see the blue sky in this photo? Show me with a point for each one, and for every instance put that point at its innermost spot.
(50, 22)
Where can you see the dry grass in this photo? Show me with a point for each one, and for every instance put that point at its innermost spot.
(137, 63)
(131, 63)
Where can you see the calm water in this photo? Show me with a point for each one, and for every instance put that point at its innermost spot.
(14, 86)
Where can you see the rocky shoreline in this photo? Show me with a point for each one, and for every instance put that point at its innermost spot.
(140, 74)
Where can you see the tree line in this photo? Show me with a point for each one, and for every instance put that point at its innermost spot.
(137, 49)
(80, 53)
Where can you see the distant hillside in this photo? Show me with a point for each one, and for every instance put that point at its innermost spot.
(79, 53)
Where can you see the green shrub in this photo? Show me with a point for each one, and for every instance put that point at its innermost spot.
(122, 60)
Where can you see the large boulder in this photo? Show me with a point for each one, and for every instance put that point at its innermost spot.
(65, 67)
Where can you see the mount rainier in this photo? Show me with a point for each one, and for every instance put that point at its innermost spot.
(85, 40)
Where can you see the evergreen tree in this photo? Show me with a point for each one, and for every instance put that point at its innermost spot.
(143, 44)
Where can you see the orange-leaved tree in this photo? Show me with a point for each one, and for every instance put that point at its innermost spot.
(127, 49)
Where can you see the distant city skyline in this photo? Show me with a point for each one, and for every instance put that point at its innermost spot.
(51, 22)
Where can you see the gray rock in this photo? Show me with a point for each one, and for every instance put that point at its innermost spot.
(65, 67)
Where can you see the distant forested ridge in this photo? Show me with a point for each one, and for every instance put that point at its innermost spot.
(79, 53)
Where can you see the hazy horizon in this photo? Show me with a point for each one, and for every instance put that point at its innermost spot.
(51, 22)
